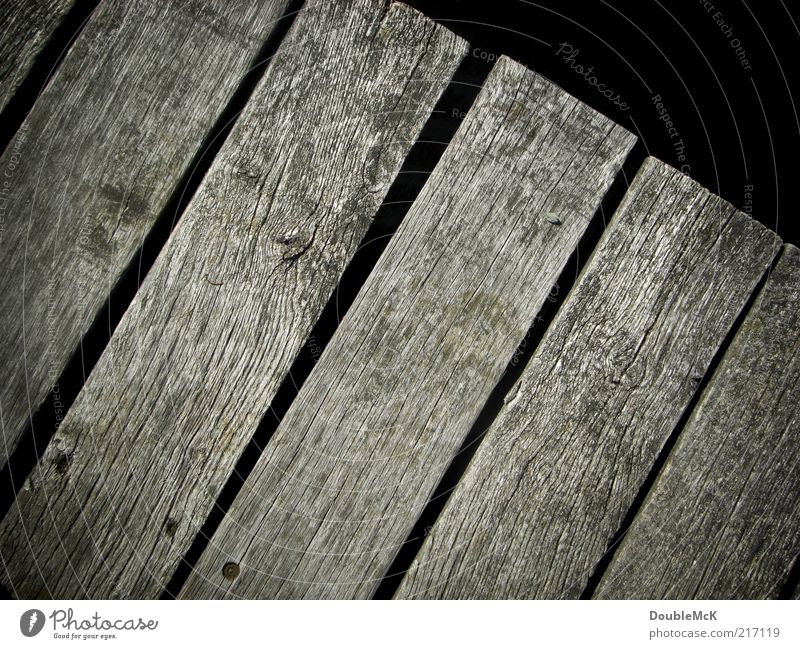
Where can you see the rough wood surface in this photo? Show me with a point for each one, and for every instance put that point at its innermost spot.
(27, 27)
(94, 164)
(348, 471)
(134, 470)
(562, 463)
(722, 520)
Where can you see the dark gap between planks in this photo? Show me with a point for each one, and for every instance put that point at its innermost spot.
(431, 143)
(524, 352)
(43, 423)
(42, 70)
(602, 565)
(792, 581)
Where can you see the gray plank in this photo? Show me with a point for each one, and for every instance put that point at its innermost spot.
(722, 520)
(94, 164)
(558, 469)
(27, 28)
(137, 464)
(349, 469)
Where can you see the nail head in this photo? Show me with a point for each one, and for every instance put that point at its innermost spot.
(230, 570)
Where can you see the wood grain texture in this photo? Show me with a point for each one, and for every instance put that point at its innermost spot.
(722, 520)
(560, 466)
(345, 476)
(27, 27)
(95, 163)
(134, 470)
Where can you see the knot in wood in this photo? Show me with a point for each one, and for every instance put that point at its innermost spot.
(296, 243)
(623, 364)
(378, 170)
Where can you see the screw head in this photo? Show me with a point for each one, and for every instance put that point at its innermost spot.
(230, 570)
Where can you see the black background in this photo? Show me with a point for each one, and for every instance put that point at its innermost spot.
(739, 127)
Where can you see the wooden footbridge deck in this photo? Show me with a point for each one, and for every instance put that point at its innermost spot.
(568, 370)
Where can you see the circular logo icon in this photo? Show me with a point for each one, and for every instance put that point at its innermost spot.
(31, 622)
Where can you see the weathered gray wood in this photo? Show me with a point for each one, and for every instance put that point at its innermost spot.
(94, 164)
(134, 470)
(348, 471)
(27, 26)
(557, 471)
(722, 520)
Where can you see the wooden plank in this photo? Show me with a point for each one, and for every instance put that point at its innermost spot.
(95, 163)
(27, 27)
(722, 520)
(134, 470)
(563, 461)
(349, 469)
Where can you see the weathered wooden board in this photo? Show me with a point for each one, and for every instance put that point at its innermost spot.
(27, 25)
(137, 464)
(351, 466)
(557, 471)
(722, 520)
(94, 164)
